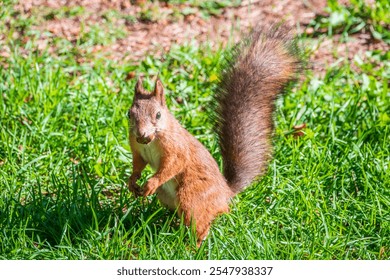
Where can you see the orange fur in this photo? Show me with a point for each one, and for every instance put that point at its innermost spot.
(202, 192)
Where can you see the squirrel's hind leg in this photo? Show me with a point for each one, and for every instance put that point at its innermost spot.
(202, 225)
(201, 218)
(201, 201)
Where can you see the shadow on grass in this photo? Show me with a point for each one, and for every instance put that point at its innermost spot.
(77, 215)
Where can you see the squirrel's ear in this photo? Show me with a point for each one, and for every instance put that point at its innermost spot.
(159, 91)
(139, 88)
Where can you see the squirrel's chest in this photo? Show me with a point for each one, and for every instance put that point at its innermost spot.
(151, 153)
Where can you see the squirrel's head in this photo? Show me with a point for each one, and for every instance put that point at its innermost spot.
(148, 113)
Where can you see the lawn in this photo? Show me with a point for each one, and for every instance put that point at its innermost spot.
(65, 157)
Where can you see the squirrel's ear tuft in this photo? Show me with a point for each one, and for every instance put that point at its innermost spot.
(159, 91)
(139, 88)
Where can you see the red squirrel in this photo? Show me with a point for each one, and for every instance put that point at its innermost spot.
(187, 177)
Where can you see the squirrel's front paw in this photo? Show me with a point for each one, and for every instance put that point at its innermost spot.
(150, 187)
(133, 186)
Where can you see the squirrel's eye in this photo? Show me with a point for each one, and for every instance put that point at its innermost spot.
(158, 115)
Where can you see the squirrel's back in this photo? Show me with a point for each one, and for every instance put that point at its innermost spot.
(257, 72)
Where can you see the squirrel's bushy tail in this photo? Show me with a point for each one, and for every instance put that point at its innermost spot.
(256, 73)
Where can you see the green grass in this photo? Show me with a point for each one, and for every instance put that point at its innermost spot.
(64, 161)
(360, 16)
